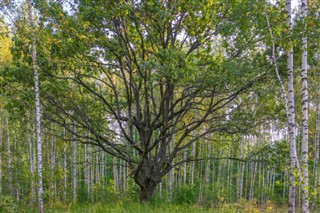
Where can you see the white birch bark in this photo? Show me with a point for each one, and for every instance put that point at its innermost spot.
(65, 170)
(240, 172)
(291, 114)
(38, 109)
(120, 177)
(208, 164)
(9, 156)
(102, 169)
(85, 167)
(115, 174)
(171, 175)
(74, 171)
(305, 116)
(316, 155)
(185, 156)
(219, 169)
(274, 62)
(89, 169)
(1, 138)
(97, 165)
(31, 162)
(193, 153)
(53, 162)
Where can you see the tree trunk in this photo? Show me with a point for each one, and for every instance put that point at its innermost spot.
(185, 155)
(31, 160)
(1, 135)
(53, 164)
(193, 153)
(65, 170)
(305, 116)
(38, 110)
(147, 190)
(74, 171)
(291, 114)
(316, 155)
(115, 174)
(9, 157)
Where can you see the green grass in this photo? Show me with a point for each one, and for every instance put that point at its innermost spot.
(120, 207)
(135, 207)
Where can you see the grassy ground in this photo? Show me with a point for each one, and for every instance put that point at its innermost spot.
(135, 207)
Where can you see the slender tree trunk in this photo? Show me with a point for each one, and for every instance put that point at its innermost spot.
(65, 170)
(38, 110)
(208, 164)
(219, 169)
(171, 174)
(160, 189)
(229, 173)
(291, 115)
(185, 155)
(89, 179)
(316, 155)
(120, 178)
(102, 170)
(85, 167)
(16, 184)
(74, 171)
(247, 173)
(53, 164)
(305, 116)
(274, 62)
(9, 157)
(284, 186)
(115, 174)
(1, 136)
(193, 153)
(32, 166)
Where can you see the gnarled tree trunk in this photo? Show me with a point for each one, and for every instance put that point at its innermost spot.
(147, 178)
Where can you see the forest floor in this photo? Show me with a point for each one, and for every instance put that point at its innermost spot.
(135, 207)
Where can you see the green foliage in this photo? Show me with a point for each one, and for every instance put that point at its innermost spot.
(8, 205)
(186, 194)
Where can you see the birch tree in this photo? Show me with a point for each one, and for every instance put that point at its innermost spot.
(291, 114)
(38, 107)
(305, 114)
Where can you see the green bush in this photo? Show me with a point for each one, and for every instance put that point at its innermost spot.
(7, 204)
(185, 195)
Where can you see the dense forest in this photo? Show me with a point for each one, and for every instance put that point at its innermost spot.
(134, 105)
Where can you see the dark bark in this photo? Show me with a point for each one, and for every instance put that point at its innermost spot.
(147, 190)
(147, 176)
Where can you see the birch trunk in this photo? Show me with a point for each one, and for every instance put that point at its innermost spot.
(74, 171)
(89, 161)
(193, 153)
(65, 171)
(31, 161)
(185, 155)
(291, 114)
(9, 157)
(102, 169)
(38, 109)
(115, 174)
(305, 116)
(274, 62)
(208, 164)
(53, 163)
(1, 136)
(316, 155)
(171, 176)
(85, 167)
